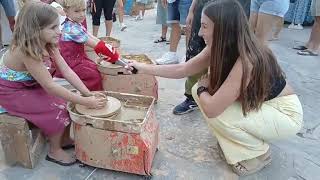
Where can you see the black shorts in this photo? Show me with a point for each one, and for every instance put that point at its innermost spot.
(106, 6)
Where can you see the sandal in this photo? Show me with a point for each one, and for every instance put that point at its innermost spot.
(161, 39)
(251, 166)
(307, 52)
(60, 162)
(69, 146)
(301, 48)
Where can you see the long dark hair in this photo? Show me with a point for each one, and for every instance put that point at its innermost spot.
(233, 39)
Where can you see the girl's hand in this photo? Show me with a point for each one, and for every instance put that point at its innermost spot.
(138, 66)
(204, 81)
(96, 101)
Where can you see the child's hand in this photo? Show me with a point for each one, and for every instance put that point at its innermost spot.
(96, 101)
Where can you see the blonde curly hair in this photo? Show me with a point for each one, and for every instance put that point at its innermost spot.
(78, 4)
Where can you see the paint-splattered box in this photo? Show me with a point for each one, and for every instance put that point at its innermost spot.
(114, 78)
(125, 142)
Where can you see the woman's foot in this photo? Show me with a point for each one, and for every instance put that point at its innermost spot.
(251, 166)
(161, 39)
(60, 157)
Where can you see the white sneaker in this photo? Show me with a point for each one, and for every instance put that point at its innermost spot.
(123, 27)
(139, 18)
(168, 58)
(291, 26)
(299, 26)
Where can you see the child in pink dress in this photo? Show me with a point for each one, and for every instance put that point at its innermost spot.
(27, 89)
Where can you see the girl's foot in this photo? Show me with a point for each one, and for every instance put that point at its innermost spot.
(251, 166)
(60, 157)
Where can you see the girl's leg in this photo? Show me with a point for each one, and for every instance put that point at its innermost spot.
(66, 140)
(55, 150)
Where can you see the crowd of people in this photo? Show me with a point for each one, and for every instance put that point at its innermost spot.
(232, 75)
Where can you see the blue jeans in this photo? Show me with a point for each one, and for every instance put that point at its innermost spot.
(8, 7)
(178, 11)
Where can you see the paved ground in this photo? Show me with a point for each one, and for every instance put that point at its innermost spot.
(187, 149)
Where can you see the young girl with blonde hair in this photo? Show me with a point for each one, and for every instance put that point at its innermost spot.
(73, 39)
(27, 89)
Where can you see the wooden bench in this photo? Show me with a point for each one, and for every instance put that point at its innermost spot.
(21, 144)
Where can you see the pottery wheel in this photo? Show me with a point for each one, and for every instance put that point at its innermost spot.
(113, 107)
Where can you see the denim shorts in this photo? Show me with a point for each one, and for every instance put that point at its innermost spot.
(162, 14)
(178, 11)
(8, 6)
(271, 7)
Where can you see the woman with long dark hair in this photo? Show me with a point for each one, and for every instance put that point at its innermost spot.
(244, 97)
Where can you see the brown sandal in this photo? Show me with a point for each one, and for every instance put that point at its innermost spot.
(251, 166)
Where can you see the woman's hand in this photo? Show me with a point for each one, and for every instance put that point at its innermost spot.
(204, 81)
(138, 66)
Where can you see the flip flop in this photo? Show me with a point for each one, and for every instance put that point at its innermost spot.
(300, 48)
(69, 146)
(161, 39)
(48, 158)
(307, 52)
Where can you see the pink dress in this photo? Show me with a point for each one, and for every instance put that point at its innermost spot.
(71, 46)
(22, 96)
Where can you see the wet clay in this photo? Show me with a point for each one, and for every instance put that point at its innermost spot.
(113, 107)
(142, 58)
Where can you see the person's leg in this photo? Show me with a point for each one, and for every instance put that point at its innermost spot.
(269, 13)
(243, 138)
(55, 150)
(175, 37)
(173, 19)
(265, 24)
(107, 9)
(314, 39)
(184, 6)
(8, 6)
(195, 45)
(164, 30)
(96, 17)
(278, 28)
(254, 9)
(162, 19)
(121, 13)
